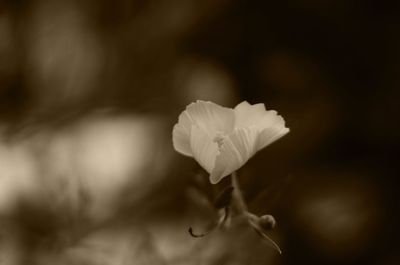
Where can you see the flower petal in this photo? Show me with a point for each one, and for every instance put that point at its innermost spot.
(210, 117)
(181, 140)
(236, 149)
(205, 150)
(271, 134)
(247, 115)
(270, 125)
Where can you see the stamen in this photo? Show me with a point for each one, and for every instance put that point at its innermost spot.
(219, 139)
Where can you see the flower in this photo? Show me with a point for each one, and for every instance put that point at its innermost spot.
(222, 139)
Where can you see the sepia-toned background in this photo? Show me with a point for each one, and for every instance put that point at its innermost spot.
(90, 91)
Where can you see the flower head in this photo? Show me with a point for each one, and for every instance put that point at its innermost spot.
(222, 139)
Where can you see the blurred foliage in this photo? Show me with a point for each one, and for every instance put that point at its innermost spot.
(90, 90)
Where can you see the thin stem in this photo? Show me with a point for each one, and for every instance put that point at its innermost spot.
(243, 209)
(237, 194)
(272, 242)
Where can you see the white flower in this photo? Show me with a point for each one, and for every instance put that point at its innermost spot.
(222, 139)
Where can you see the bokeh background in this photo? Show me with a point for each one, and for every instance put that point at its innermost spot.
(90, 91)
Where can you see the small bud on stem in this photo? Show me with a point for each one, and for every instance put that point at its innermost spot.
(267, 222)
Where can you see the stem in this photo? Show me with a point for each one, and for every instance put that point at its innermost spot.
(237, 194)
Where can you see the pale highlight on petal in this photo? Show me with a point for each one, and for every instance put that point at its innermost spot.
(235, 151)
(210, 117)
(205, 150)
(247, 115)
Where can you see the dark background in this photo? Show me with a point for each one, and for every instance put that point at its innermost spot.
(330, 68)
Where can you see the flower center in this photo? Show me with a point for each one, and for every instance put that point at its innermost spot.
(219, 138)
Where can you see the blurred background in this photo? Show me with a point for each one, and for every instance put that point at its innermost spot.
(90, 91)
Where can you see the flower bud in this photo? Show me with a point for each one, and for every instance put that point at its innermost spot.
(267, 222)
